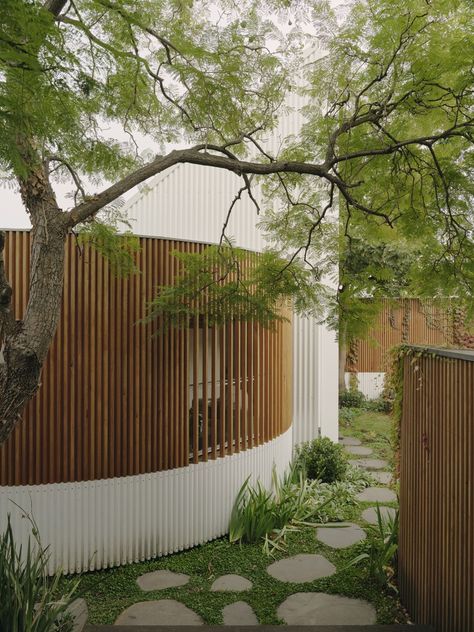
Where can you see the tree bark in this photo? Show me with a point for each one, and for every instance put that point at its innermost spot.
(25, 343)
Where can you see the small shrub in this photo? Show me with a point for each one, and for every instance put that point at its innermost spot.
(379, 405)
(351, 399)
(347, 416)
(29, 600)
(322, 459)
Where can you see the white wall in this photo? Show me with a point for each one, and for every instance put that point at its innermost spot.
(371, 384)
(100, 524)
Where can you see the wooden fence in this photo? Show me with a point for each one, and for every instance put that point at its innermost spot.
(407, 320)
(119, 399)
(436, 551)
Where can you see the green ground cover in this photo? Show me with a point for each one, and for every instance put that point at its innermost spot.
(110, 592)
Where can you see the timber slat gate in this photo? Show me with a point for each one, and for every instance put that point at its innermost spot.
(436, 549)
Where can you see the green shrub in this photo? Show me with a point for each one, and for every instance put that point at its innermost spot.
(379, 405)
(29, 600)
(322, 459)
(347, 416)
(351, 399)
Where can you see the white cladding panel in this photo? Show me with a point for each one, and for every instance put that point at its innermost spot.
(99, 524)
(191, 203)
(370, 384)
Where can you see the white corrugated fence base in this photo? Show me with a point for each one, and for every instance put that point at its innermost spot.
(99, 524)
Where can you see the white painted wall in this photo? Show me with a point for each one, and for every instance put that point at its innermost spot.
(100, 524)
(371, 384)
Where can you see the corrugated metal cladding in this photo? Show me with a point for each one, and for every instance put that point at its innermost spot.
(436, 547)
(100, 524)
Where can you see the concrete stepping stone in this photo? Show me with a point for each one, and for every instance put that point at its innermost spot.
(349, 441)
(370, 464)
(79, 613)
(385, 478)
(161, 612)
(239, 613)
(358, 449)
(377, 495)
(340, 535)
(305, 567)
(321, 609)
(159, 580)
(370, 515)
(231, 583)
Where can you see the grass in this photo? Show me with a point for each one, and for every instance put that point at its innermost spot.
(110, 592)
(373, 429)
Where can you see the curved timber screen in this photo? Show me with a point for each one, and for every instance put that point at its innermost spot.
(119, 399)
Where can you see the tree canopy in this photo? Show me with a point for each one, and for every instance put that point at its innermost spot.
(387, 134)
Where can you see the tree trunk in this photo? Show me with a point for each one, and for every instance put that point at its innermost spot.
(25, 343)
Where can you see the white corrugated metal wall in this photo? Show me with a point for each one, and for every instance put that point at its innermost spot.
(99, 524)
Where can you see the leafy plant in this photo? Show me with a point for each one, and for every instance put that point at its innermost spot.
(381, 552)
(346, 416)
(293, 502)
(322, 459)
(28, 598)
(351, 399)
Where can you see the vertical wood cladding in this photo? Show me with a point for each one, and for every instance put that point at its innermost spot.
(408, 321)
(436, 548)
(117, 398)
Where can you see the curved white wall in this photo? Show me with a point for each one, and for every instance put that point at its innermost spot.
(99, 524)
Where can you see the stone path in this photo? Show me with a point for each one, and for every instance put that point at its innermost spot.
(311, 608)
(301, 608)
(370, 464)
(161, 612)
(358, 449)
(239, 613)
(340, 535)
(159, 580)
(377, 495)
(305, 567)
(231, 583)
(370, 515)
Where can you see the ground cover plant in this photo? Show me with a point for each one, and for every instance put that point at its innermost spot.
(111, 591)
(371, 427)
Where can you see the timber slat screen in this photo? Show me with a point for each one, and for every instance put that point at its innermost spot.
(436, 549)
(118, 399)
(409, 321)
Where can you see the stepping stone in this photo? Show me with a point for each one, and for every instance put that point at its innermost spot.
(370, 515)
(79, 612)
(321, 609)
(377, 495)
(358, 449)
(239, 613)
(370, 464)
(349, 441)
(231, 583)
(158, 580)
(161, 612)
(383, 477)
(340, 535)
(305, 567)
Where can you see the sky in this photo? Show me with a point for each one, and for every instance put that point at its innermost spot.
(12, 212)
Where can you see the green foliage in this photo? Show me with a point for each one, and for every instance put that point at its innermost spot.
(346, 416)
(223, 282)
(29, 599)
(294, 501)
(351, 399)
(119, 250)
(322, 459)
(381, 551)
